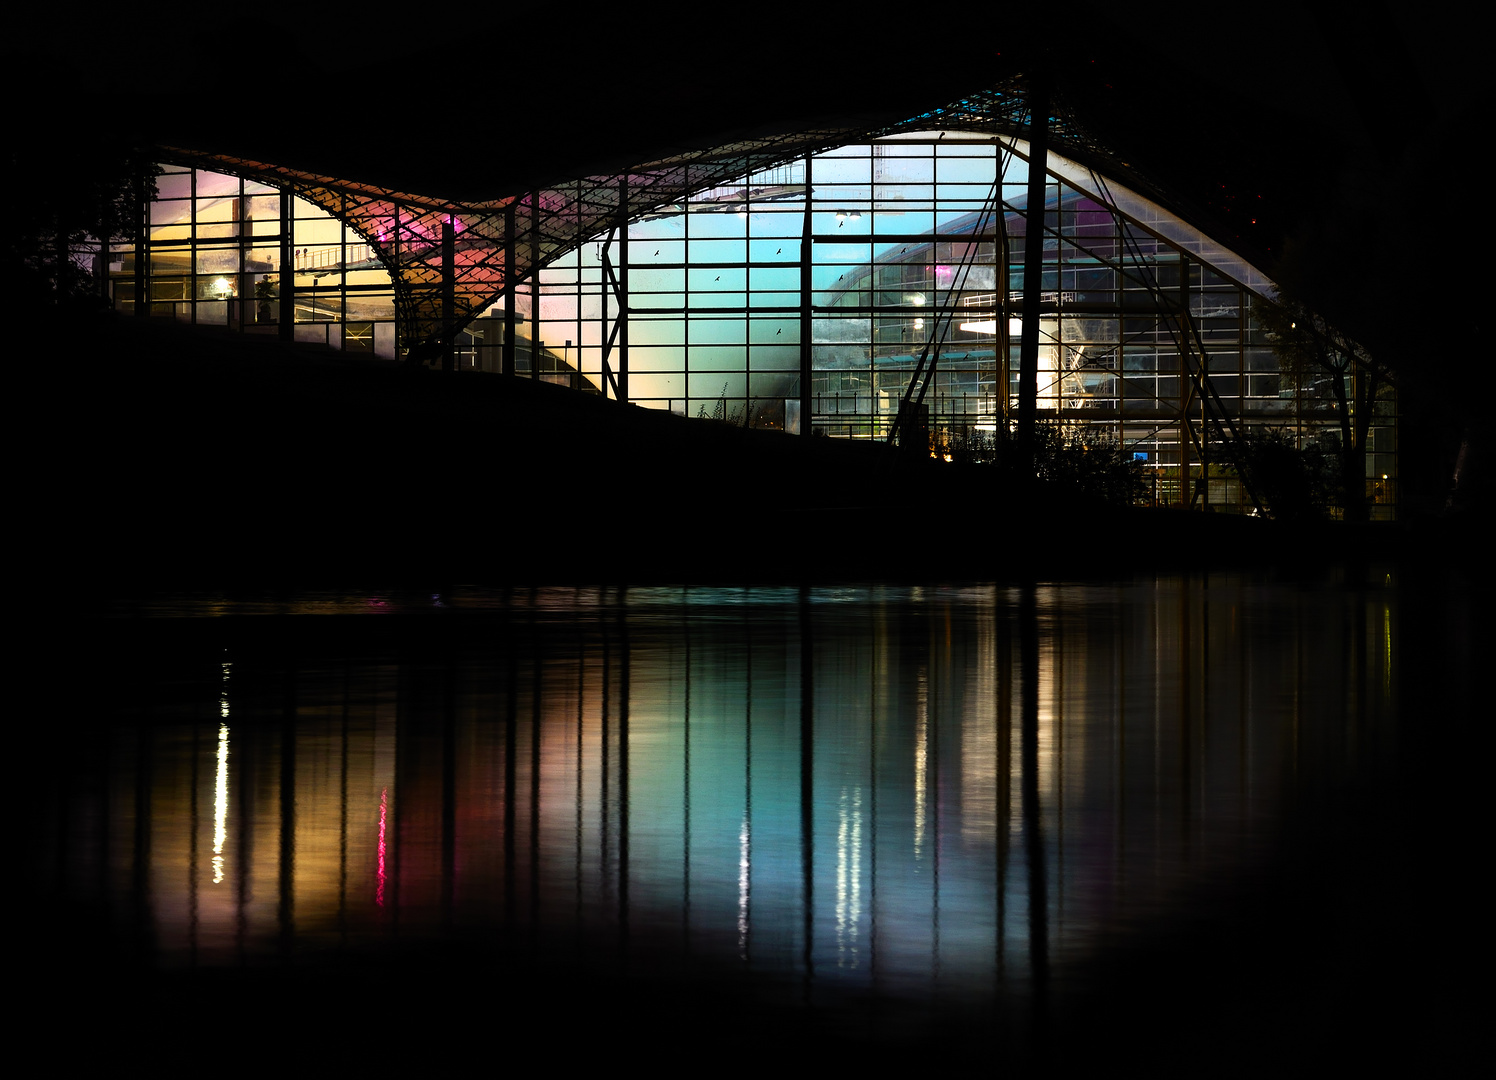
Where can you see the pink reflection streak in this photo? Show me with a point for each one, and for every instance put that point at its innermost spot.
(384, 816)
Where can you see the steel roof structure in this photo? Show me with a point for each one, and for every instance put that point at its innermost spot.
(450, 261)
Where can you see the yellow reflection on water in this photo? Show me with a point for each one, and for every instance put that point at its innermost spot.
(221, 797)
(1387, 646)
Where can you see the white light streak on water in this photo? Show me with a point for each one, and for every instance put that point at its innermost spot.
(745, 836)
(921, 761)
(221, 796)
(848, 876)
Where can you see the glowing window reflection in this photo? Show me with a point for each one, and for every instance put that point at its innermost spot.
(745, 838)
(221, 796)
(384, 816)
(848, 876)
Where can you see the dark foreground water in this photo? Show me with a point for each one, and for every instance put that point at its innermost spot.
(1176, 820)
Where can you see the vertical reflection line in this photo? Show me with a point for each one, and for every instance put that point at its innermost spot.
(1033, 839)
(921, 755)
(848, 876)
(1352, 675)
(140, 867)
(511, 739)
(938, 669)
(623, 772)
(536, 693)
(1243, 704)
(1003, 658)
(1186, 722)
(581, 758)
(381, 851)
(842, 830)
(286, 912)
(1056, 645)
(1386, 648)
(1157, 615)
(103, 884)
(221, 798)
(192, 843)
(1120, 799)
(745, 834)
(879, 628)
(602, 802)
(221, 777)
(686, 796)
(343, 816)
(449, 791)
(1298, 679)
(390, 808)
(807, 766)
(244, 817)
(1202, 768)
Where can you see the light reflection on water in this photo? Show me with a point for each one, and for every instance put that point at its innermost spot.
(926, 793)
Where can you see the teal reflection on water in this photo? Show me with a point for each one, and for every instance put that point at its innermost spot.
(926, 793)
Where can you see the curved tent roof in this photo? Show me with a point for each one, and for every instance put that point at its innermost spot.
(500, 241)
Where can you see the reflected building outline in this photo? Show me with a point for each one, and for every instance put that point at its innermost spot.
(752, 786)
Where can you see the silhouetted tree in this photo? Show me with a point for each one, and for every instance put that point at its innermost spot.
(59, 208)
(1324, 365)
(1086, 464)
(1296, 483)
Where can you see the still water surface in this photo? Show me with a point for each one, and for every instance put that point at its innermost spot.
(944, 801)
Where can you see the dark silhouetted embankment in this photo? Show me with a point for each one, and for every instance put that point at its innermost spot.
(173, 457)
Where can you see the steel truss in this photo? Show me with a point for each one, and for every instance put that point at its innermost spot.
(450, 261)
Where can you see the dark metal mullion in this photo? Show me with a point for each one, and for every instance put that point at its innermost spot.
(807, 244)
(535, 284)
(1229, 436)
(621, 285)
(506, 362)
(287, 313)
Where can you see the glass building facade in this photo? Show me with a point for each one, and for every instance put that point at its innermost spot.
(803, 295)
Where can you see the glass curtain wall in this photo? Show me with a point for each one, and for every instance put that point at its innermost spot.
(242, 255)
(843, 268)
(874, 254)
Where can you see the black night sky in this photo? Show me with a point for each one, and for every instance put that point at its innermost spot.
(253, 587)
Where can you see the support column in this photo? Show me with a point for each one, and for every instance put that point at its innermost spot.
(1033, 274)
(1002, 361)
(535, 284)
(449, 294)
(142, 250)
(1188, 376)
(287, 313)
(622, 287)
(806, 295)
(615, 370)
(507, 363)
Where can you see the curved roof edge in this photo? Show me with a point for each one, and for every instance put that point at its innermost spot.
(534, 228)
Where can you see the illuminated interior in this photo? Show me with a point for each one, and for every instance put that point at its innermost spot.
(800, 294)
